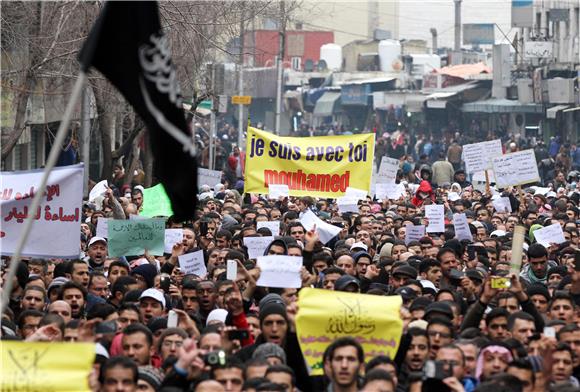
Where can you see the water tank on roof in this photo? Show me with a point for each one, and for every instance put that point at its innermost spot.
(332, 55)
(390, 55)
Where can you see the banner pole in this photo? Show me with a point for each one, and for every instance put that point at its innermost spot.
(51, 161)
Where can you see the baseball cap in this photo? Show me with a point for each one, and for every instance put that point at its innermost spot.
(344, 281)
(155, 294)
(406, 270)
(407, 293)
(438, 308)
(359, 245)
(97, 239)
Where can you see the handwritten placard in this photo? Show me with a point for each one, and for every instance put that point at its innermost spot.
(517, 168)
(552, 234)
(325, 231)
(276, 191)
(280, 271)
(477, 156)
(274, 226)
(172, 237)
(389, 191)
(193, 263)
(502, 204)
(325, 315)
(347, 204)
(257, 245)
(414, 233)
(102, 227)
(132, 238)
(57, 219)
(43, 366)
(388, 170)
(208, 177)
(354, 193)
(461, 226)
(435, 214)
(98, 190)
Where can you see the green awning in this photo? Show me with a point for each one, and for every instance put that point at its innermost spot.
(328, 104)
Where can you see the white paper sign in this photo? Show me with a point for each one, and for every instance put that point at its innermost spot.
(275, 191)
(550, 234)
(257, 245)
(388, 170)
(355, 193)
(435, 214)
(56, 230)
(325, 231)
(192, 263)
(502, 204)
(172, 237)
(414, 233)
(517, 168)
(231, 270)
(208, 177)
(453, 196)
(274, 226)
(98, 190)
(461, 225)
(102, 227)
(478, 156)
(390, 191)
(540, 191)
(280, 271)
(347, 204)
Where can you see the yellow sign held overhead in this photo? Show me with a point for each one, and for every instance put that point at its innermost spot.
(324, 315)
(51, 367)
(322, 166)
(242, 100)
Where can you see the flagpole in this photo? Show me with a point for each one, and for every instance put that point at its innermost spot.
(51, 161)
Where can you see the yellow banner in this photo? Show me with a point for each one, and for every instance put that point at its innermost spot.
(321, 166)
(47, 367)
(325, 315)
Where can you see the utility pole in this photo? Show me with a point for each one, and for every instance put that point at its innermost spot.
(434, 40)
(373, 17)
(85, 137)
(457, 46)
(212, 118)
(241, 119)
(279, 65)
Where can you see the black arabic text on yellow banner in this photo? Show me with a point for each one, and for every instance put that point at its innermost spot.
(321, 166)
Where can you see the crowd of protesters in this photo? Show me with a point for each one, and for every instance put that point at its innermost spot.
(158, 329)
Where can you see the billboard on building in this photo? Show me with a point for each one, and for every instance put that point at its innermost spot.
(478, 34)
(522, 13)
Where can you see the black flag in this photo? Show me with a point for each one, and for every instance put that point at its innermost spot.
(127, 45)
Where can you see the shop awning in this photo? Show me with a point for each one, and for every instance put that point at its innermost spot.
(327, 104)
(572, 109)
(203, 109)
(384, 100)
(439, 99)
(553, 111)
(497, 105)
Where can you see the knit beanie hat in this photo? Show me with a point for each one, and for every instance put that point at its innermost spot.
(269, 350)
(272, 304)
(151, 376)
(148, 272)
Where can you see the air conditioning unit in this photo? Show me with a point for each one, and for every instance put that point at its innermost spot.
(561, 90)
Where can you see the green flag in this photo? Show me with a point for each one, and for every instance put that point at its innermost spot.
(156, 202)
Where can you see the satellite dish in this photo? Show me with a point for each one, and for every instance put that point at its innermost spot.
(322, 65)
(308, 66)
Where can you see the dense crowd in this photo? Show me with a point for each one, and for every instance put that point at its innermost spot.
(158, 329)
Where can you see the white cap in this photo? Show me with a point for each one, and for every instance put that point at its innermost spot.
(97, 239)
(427, 284)
(359, 245)
(216, 315)
(155, 294)
(498, 233)
(101, 350)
